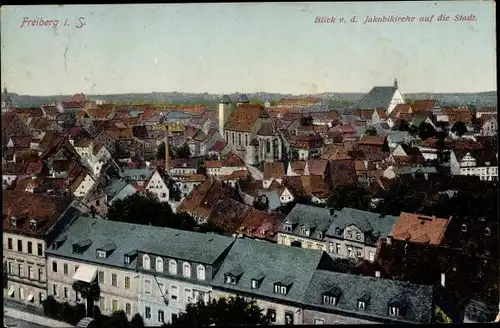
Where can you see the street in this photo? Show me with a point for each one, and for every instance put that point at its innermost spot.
(16, 323)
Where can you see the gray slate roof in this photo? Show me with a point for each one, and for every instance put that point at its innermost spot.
(480, 311)
(272, 197)
(317, 219)
(128, 237)
(225, 100)
(137, 174)
(377, 292)
(255, 258)
(412, 170)
(114, 188)
(377, 97)
(372, 224)
(243, 99)
(400, 137)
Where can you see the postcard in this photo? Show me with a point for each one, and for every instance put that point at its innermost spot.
(249, 164)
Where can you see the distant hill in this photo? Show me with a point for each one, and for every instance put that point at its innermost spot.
(211, 100)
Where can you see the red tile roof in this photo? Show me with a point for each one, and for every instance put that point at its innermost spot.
(261, 225)
(244, 117)
(420, 228)
(274, 170)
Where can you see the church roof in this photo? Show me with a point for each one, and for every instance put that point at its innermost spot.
(243, 99)
(378, 97)
(225, 100)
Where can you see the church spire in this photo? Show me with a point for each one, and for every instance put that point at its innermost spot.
(395, 83)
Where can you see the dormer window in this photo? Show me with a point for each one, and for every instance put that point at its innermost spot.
(33, 224)
(159, 264)
(129, 257)
(393, 311)
(80, 247)
(13, 221)
(146, 262)
(363, 302)
(288, 227)
(332, 296)
(304, 231)
(361, 305)
(255, 284)
(283, 286)
(232, 277)
(464, 227)
(337, 231)
(320, 235)
(257, 280)
(106, 251)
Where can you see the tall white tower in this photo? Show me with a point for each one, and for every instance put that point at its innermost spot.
(224, 113)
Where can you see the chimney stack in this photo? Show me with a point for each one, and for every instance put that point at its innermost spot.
(443, 279)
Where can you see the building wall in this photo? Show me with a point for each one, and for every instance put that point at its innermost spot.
(286, 239)
(367, 251)
(265, 305)
(158, 187)
(84, 186)
(61, 280)
(312, 317)
(23, 284)
(162, 292)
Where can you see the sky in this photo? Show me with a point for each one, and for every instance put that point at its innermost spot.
(248, 47)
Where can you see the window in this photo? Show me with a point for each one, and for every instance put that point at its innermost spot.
(230, 280)
(288, 228)
(239, 139)
(272, 314)
(186, 270)
(31, 273)
(331, 247)
(371, 256)
(174, 315)
(350, 253)
(255, 284)
(97, 203)
(40, 274)
(172, 267)
(127, 282)
(147, 286)
(319, 321)
(9, 243)
(358, 235)
(159, 264)
(54, 290)
(101, 254)
(329, 299)
(361, 305)
(359, 252)
(66, 292)
(147, 310)
(349, 234)
(146, 264)
(54, 266)
(393, 311)
(188, 295)
(19, 245)
(114, 305)
(65, 269)
(161, 316)
(173, 292)
(338, 248)
(288, 318)
(11, 270)
(40, 249)
(114, 279)
(102, 303)
(128, 309)
(201, 272)
(30, 247)
(21, 270)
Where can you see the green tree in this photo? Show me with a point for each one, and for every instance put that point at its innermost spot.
(426, 130)
(261, 203)
(119, 320)
(413, 130)
(160, 155)
(460, 128)
(256, 100)
(371, 131)
(184, 152)
(89, 291)
(306, 121)
(440, 316)
(233, 311)
(136, 321)
(201, 167)
(409, 101)
(352, 196)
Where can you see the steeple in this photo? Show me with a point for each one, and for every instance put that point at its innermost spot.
(395, 83)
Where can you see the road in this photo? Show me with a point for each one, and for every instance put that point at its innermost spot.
(255, 172)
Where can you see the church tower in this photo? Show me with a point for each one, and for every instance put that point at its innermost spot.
(225, 107)
(6, 101)
(395, 83)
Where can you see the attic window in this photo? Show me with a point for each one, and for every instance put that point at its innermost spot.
(257, 280)
(332, 296)
(129, 257)
(304, 231)
(58, 242)
(464, 227)
(283, 286)
(337, 231)
(13, 221)
(33, 224)
(320, 234)
(288, 227)
(394, 311)
(255, 284)
(363, 302)
(80, 247)
(105, 251)
(232, 277)
(361, 305)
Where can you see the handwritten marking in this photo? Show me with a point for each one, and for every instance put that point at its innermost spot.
(54, 23)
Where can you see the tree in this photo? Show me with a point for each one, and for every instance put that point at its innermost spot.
(426, 130)
(233, 311)
(119, 320)
(306, 121)
(409, 101)
(459, 128)
(201, 167)
(160, 155)
(402, 125)
(261, 203)
(89, 291)
(352, 196)
(413, 130)
(51, 307)
(371, 131)
(184, 152)
(137, 321)
(440, 316)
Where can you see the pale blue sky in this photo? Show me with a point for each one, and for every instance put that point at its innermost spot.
(222, 48)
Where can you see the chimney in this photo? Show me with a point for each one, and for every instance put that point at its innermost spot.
(377, 274)
(443, 279)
